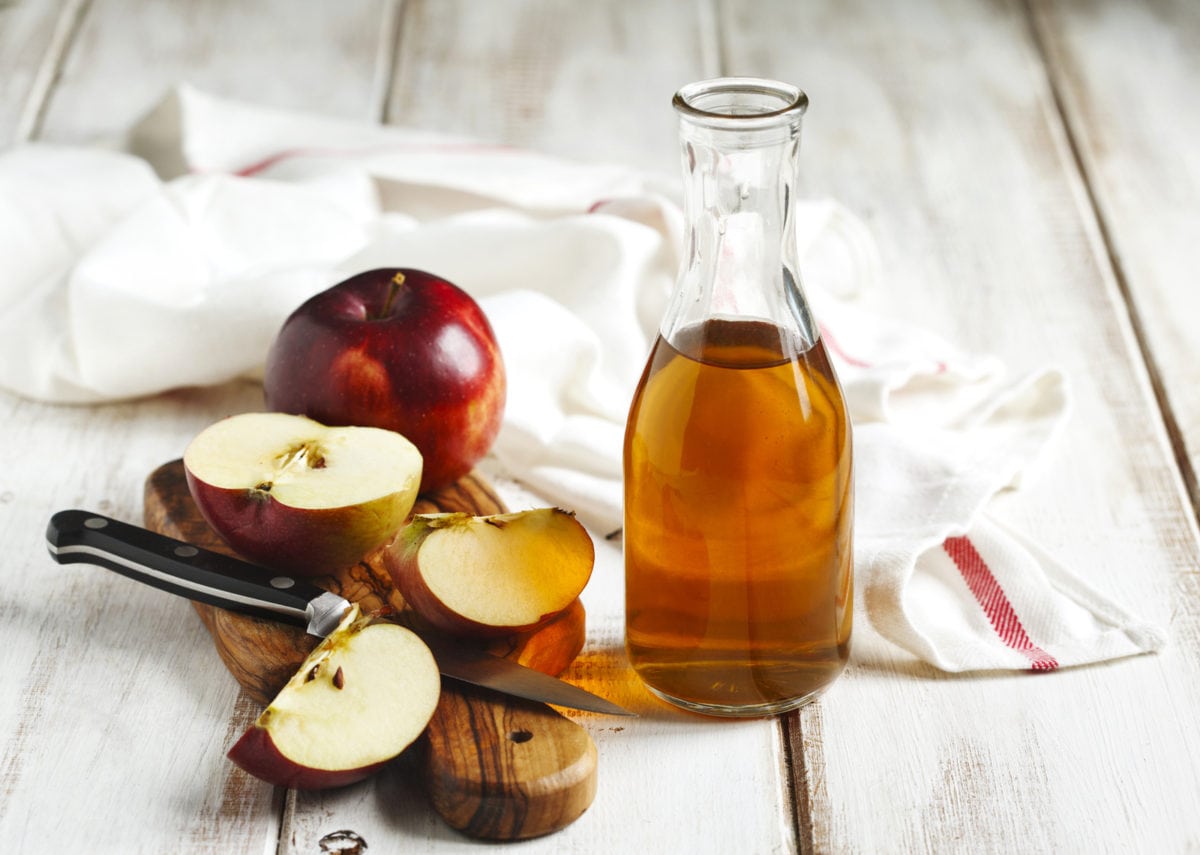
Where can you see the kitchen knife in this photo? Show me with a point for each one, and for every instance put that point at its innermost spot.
(77, 536)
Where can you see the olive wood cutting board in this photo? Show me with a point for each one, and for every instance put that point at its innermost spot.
(494, 767)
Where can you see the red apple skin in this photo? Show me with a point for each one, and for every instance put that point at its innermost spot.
(256, 753)
(399, 349)
(273, 534)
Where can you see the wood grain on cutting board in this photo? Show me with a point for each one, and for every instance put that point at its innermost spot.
(493, 767)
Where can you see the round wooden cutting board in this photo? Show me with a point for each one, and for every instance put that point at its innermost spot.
(494, 767)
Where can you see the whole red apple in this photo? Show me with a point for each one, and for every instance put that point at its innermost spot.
(398, 349)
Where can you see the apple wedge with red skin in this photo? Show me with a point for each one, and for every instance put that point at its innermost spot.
(292, 494)
(398, 349)
(361, 697)
(492, 575)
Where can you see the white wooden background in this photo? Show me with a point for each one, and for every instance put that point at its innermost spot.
(1030, 170)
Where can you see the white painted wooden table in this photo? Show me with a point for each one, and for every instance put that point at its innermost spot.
(1031, 172)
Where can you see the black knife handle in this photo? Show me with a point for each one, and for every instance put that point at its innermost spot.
(77, 536)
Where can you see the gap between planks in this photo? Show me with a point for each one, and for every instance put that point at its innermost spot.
(66, 27)
(387, 56)
(800, 789)
(1053, 69)
(797, 757)
(387, 52)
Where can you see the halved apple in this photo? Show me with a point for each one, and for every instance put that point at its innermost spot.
(361, 697)
(291, 493)
(491, 575)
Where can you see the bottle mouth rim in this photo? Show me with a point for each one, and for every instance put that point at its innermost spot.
(742, 103)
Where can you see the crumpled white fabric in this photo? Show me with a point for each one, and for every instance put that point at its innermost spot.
(174, 261)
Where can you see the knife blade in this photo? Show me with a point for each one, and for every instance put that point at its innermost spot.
(80, 536)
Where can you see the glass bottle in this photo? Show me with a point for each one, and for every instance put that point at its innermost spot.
(737, 458)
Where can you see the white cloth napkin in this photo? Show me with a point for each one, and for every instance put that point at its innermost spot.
(174, 261)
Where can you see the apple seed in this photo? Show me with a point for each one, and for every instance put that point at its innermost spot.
(339, 679)
(305, 454)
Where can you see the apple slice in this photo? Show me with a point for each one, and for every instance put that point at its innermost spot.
(361, 697)
(293, 494)
(491, 575)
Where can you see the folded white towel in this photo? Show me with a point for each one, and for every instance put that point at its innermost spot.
(174, 263)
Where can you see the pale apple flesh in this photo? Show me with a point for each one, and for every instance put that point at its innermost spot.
(360, 698)
(293, 494)
(491, 575)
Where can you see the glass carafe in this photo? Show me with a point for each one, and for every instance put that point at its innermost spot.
(737, 459)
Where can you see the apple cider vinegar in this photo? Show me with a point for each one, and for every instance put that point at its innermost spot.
(738, 521)
(737, 460)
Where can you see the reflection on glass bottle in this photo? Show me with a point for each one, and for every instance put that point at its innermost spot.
(738, 477)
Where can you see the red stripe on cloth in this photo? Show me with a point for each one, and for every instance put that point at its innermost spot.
(939, 367)
(837, 349)
(995, 604)
(266, 163)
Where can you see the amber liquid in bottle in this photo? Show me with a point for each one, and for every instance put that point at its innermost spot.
(738, 519)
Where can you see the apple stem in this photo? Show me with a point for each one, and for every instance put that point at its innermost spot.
(393, 289)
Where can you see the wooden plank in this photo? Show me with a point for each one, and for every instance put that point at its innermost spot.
(118, 711)
(123, 702)
(321, 57)
(589, 81)
(935, 122)
(1124, 75)
(33, 39)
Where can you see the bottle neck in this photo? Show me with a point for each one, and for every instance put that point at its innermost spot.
(740, 168)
